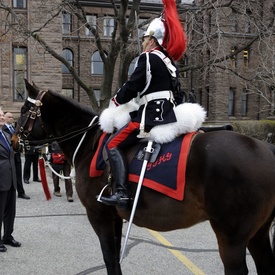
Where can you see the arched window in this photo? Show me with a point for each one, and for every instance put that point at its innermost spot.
(97, 65)
(69, 56)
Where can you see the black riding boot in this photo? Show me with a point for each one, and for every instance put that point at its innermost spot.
(120, 173)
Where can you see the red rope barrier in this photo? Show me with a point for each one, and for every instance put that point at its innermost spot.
(45, 186)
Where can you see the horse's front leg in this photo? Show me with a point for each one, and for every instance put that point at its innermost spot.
(108, 227)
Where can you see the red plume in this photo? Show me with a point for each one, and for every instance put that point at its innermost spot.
(41, 162)
(175, 39)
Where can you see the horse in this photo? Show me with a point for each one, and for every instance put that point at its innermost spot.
(230, 181)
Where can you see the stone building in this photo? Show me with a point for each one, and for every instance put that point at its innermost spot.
(24, 58)
(230, 75)
(230, 47)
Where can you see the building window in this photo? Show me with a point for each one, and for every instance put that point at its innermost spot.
(234, 21)
(19, 73)
(231, 102)
(247, 24)
(66, 23)
(244, 103)
(97, 96)
(109, 24)
(69, 56)
(91, 19)
(97, 65)
(19, 4)
(68, 92)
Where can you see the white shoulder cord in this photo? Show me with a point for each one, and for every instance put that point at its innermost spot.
(148, 74)
(167, 61)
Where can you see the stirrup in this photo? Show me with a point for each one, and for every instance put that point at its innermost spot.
(98, 197)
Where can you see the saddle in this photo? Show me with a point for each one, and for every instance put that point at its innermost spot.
(166, 157)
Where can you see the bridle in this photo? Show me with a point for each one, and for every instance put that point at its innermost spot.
(35, 113)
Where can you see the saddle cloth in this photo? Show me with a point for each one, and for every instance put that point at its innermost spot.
(165, 175)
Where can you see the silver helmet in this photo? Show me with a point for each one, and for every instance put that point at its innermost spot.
(156, 29)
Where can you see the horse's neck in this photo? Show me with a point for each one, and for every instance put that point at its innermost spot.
(69, 118)
(82, 147)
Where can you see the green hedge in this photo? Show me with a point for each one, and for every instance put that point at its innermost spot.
(257, 129)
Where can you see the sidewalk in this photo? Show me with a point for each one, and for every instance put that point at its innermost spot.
(56, 236)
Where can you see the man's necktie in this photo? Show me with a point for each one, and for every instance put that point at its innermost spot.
(5, 142)
(11, 129)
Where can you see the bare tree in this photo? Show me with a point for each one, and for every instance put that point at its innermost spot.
(234, 39)
(209, 24)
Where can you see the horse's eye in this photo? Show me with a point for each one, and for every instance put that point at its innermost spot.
(24, 109)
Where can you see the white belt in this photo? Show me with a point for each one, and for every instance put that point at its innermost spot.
(156, 95)
(144, 100)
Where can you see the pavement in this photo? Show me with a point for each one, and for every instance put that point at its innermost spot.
(56, 236)
(57, 239)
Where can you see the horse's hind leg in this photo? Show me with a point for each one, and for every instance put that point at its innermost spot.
(260, 248)
(232, 252)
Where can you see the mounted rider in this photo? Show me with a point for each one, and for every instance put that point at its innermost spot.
(152, 82)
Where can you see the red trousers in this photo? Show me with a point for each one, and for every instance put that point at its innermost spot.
(125, 137)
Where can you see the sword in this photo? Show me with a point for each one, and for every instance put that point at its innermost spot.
(148, 151)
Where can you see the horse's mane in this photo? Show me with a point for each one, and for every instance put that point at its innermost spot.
(73, 102)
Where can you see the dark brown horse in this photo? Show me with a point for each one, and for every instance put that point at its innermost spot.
(230, 181)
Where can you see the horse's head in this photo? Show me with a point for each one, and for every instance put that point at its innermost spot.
(30, 126)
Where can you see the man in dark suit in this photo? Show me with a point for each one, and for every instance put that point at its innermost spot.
(7, 189)
(8, 128)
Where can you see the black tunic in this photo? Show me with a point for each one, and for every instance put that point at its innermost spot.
(159, 111)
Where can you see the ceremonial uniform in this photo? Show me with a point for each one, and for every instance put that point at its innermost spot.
(157, 111)
(152, 85)
(160, 110)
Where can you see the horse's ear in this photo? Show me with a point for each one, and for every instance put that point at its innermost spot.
(32, 91)
(35, 86)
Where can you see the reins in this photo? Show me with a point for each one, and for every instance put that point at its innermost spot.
(62, 138)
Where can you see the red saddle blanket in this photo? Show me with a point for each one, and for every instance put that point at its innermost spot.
(165, 175)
